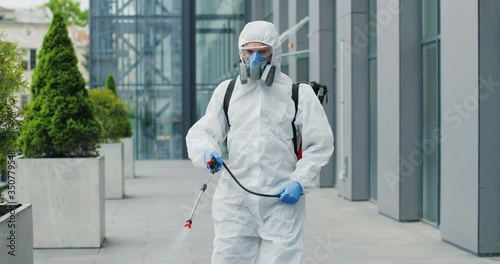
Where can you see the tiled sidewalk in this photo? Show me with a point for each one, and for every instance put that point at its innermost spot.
(147, 227)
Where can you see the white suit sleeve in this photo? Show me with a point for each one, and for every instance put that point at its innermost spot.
(210, 131)
(317, 138)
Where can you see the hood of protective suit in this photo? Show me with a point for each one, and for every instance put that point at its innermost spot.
(265, 32)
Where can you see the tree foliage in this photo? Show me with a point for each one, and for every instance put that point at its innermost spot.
(110, 84)
(11, 84)
(113, 114)
(70, 11)
(60, 121)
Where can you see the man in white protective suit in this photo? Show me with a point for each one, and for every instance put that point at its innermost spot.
(250, 228)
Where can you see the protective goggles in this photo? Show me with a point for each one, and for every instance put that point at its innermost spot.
(264, 51)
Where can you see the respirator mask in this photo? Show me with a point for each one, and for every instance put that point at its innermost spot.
(255, 65)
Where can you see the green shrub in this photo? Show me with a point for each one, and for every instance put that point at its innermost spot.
(60, 121)
(113, 114)
(11, 84)
(110, 84)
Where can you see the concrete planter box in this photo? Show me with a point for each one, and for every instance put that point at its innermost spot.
(68, 200)
(115, 182)
(128, 158)
(16, 231)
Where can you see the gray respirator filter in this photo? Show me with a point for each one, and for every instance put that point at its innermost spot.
(255, 73)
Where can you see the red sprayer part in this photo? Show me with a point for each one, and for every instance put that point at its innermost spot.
(188, 224)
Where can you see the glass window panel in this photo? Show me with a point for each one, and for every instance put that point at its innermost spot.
(228, 7)
(373, 129)
(268, 10)
(139, 43)
(32, 58)
(430, 142)
(303, 69)
(430, 10)
(218, 25)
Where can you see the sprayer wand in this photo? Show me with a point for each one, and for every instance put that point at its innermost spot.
(212, 165)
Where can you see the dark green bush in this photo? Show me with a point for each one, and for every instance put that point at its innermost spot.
(11, 84)
(113, 114)
(110, 84)
(60, 121)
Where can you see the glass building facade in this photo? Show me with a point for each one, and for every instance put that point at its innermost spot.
(218, 25)
(431, 116)
(143, 43)
(416, 128)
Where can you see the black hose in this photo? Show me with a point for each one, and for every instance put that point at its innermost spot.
(243, 187)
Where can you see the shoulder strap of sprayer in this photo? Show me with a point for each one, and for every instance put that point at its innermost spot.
(227, 98)
(295, 98)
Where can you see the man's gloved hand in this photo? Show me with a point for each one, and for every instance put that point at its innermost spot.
(209, 154)
(290, 193)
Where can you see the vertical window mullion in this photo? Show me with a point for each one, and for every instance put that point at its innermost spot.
(431, 110)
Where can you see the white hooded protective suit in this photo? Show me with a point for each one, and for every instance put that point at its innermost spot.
(249, 228)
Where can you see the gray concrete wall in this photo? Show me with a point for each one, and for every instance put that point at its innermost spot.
(292, 20)
(399, 109)
(459, 147)
(322, 66)
(343, 35)
(302, 42)
(388, 111)
(360, 103)
(257, 9)
(489, 127)
(352, 102)
(280, 20)
(410, 118)
(280, 15)
(298, 68)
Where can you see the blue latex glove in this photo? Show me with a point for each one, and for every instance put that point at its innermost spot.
(290, 193)
(209, 154)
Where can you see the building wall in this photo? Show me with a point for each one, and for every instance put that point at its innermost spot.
(489, 127)
(321, 66)
(451, 182)
(398, 109)
(388, 111)
(352, 99)
(459, 152)
(28, 33)
(470, 186)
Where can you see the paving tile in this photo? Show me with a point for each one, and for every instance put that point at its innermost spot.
(146, 227)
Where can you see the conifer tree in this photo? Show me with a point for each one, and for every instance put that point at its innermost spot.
(60, 121)
(110, 84)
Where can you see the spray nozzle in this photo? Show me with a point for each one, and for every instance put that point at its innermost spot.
(188, 224)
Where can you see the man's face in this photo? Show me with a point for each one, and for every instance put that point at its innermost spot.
(264, 50)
